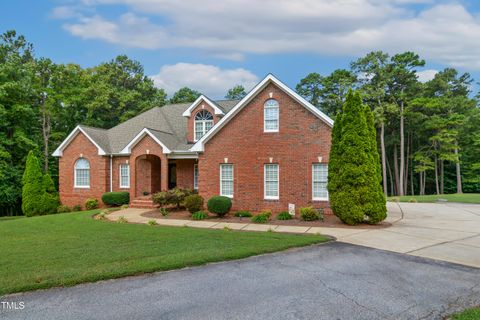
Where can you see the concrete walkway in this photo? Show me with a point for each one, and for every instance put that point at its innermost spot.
(442, 231)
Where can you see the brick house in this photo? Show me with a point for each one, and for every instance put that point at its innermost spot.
(265, 151)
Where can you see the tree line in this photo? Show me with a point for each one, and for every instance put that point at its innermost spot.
(429, 133)
(41, 102)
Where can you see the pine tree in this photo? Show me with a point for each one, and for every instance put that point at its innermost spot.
(33, 190)
(354, 181)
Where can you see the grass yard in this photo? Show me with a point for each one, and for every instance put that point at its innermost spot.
(470, 314)
(455, 197)
(71, 248)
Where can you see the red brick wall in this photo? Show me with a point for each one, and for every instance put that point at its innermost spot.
(191, 120)
(301, 139)
(185, 173)
(99, 168)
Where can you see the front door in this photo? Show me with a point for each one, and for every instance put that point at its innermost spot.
(172, 175)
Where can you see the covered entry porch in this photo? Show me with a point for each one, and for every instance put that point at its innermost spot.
(152, 174)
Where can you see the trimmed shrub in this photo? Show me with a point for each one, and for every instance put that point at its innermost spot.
(243, 213)
(219, 205)
(284, 215)
(152, 222)
(261, 218)
(116, 199)
(91, 204)
(77, 207)
(174, 196)
(193, 203)
(309, 214)
(63, 209)
(199, 215)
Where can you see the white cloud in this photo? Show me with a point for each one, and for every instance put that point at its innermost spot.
(426, 75)
(445, 33)
(207, 79)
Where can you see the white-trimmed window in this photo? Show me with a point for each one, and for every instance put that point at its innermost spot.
(195, 176)
(124, 172)
(203, 123)
(82, 173)
(319, 181)
(226, 180)
(270, 116)
(271, 182)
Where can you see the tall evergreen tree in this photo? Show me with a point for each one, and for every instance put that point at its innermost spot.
(376, 210)
(33, 187)
(355, 191)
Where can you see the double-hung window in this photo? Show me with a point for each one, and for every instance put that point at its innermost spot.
(124, 172)
(203, 123)
(271, 181)
(270, 116)
(82, 173)
(226, 180)
(195, 176)
(319, 181)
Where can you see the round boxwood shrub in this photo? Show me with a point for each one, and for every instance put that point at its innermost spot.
(219, 205)
(116, 198)
(77, 207)
(284, 215)
(309, 214)
(91, 204)
(193, 203)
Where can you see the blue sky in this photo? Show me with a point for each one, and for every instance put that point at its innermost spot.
(211, 45)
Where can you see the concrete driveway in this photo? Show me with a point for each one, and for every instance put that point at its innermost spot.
(442, 231)
(329, 281)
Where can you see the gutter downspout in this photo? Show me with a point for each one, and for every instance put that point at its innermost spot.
(111, 178)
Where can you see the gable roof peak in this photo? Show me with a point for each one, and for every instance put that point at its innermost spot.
(199, 145)
(211, 103)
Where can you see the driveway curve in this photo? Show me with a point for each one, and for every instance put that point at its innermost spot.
(442, 231)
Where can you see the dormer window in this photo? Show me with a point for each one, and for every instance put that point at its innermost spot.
(203, 123)
(270, 116)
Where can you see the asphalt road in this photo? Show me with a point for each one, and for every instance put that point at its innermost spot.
(330, 281)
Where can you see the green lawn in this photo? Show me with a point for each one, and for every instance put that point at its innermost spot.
(455, 197)
(470, 314)
(70, 248)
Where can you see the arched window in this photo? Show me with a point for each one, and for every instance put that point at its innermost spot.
(82, 173)
(270, 116)
(203, 123)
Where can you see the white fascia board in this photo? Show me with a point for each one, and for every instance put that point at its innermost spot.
(139, 137)
(59, 151)
(188, 112)
(182, 155)
(199, 145)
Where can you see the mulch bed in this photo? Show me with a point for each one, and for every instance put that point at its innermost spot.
(329, 220)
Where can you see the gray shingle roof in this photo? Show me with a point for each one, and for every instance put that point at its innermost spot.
(166, 123)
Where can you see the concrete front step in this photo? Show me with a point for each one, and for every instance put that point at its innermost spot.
(143, 203)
